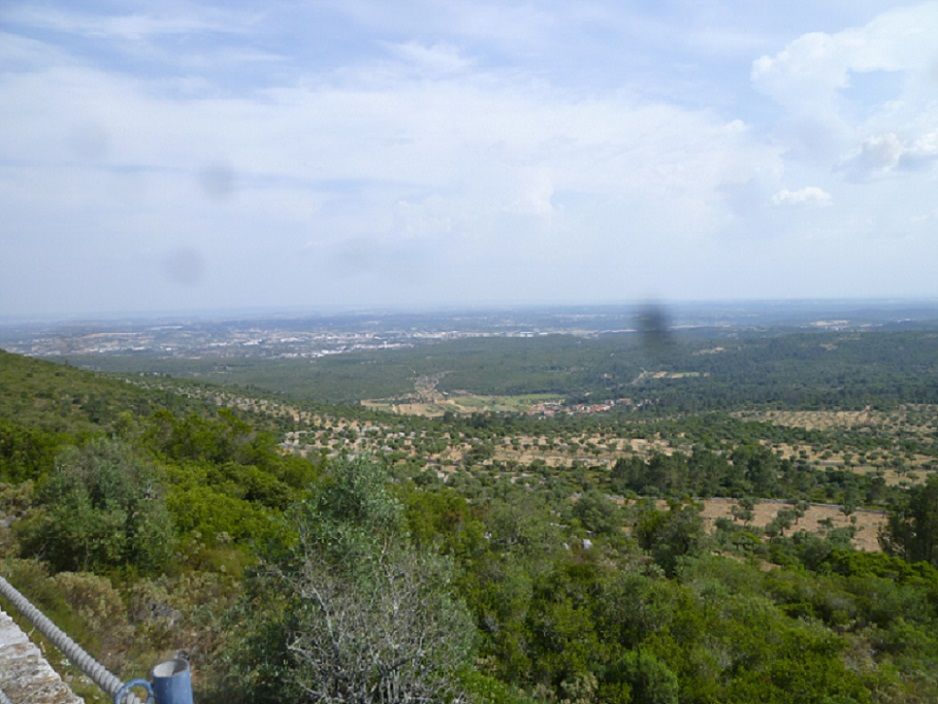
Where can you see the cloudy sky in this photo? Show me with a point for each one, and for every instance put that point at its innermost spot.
(176, 155)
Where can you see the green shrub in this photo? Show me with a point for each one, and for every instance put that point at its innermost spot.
(100, 508)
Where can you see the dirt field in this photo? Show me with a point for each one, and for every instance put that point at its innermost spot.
(594, 450)
(917, 467)
(657, 375)
(819, 420)
(868, 523)
(462, 404)
(319, 432)
(911, 418)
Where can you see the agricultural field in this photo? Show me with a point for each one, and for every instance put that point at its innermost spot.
(514, 455)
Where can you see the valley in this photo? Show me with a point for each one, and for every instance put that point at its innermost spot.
(781, 469)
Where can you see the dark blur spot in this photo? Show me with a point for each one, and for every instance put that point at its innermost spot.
(89, 141)
(217, 181)
(654, 326)
(184, 266)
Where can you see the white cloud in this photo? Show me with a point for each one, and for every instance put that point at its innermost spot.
(922, 151)
(818, 64)
(809, 195)
(883, 154)
(877, 155)
(536, 189)
(465, 165)
(513, 26)
(873, 135)
(438, 167)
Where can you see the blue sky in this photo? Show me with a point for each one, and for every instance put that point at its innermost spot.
(177, 155)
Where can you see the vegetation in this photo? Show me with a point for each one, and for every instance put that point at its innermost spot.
(353, 612)
(913, 526)
(705, 369)
(325, 554)
(100, 508)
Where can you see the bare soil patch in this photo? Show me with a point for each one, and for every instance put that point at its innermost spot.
(867, 523)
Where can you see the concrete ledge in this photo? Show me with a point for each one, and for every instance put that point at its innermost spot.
(25, 675)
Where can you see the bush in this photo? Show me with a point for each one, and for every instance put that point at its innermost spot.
(26, 453)
(100, 508)
(352, 612)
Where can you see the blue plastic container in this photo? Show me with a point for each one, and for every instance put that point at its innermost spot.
(170, 683)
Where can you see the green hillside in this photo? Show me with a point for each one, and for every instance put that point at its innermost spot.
(406, 560)
(62, 398)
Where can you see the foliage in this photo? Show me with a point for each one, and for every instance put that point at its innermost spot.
(27, 452)
(912, 530)
(361, 616)
(749, 470)
(596, 513)
(670, 535)
(775, 367)
(59, 398)
(101, 507)
(335, 568)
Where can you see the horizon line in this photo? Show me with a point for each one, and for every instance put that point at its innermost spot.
(295, 312)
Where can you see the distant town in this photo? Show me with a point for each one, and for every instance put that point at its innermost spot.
(312, 337)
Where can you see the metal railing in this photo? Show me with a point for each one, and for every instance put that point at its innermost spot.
(76, 655)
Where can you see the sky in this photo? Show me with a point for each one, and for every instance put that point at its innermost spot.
(182, 156)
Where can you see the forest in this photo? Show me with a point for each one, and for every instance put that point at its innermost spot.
(704, 368)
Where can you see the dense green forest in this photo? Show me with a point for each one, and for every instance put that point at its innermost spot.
(144, 518)
(727, 369)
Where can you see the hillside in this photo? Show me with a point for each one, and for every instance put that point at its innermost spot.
(541, 558)
(62, 398)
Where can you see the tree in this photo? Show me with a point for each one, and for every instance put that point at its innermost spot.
(352, 612)
(25, 452)
(650, 681)
(669, 535)
(760, 467)
(597, 513)
(912, 529)
(783, 521)
(743, 511)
